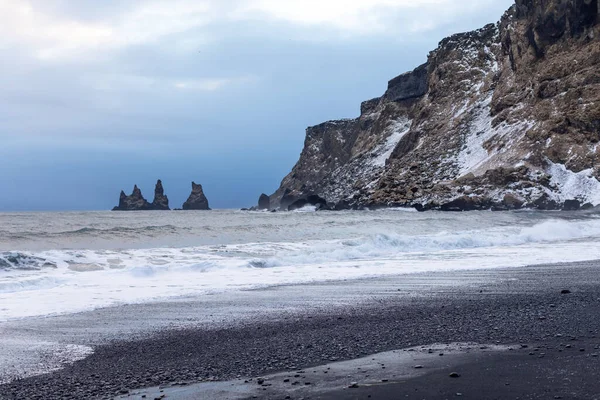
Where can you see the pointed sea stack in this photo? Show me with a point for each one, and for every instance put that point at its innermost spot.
(134, 202)
(197, 199)
(161, 202)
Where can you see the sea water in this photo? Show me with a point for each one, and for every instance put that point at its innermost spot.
(74, 261)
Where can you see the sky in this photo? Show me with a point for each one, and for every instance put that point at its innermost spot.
(97, 96)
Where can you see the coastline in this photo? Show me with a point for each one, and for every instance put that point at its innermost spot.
(221, 337)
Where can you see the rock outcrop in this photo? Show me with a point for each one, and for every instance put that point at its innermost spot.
(264, 203)
(197, 199)
(504, 117)
(133, 202)
(161, 201)
(137, 202)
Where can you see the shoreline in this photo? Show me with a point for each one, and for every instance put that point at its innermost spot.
(222, 336)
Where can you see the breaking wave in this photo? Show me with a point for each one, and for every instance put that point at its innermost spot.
(23, 262)
(144, 262)
(392, 244)
(56, 281)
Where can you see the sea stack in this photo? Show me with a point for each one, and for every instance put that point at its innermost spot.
(133, 202)
(264, 203)
(161, 202)
(197, 199)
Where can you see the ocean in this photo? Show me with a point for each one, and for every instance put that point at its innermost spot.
(66, 262)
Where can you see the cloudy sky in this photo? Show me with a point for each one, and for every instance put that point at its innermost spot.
(98, 95)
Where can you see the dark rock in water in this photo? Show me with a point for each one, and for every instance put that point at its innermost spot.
(197, 199)
(161, 202)
(587, 206)
(546, 204)
(509, 202)
(466, 203)
(312, 200)
(565, 291)
(342, 206)
(512, 202)
(571, 205)
(133, 202)
(264, 203)
(137, 202)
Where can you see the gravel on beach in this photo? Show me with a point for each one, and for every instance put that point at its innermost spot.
(532, 309)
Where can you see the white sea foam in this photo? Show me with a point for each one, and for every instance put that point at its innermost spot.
(37, 357)
(141, 275)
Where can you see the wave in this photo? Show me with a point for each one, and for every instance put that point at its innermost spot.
(120, 229)
(392, 244)
(36, 283)
(23, 262)
(148, 262)
(56, 281)
(149, 230)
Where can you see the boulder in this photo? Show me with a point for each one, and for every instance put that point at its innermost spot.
(511, 202)
(545, 203)
(571, 205)
(587, 206)
(197, 199)
(264, 202)
(466, 203)
(160, 202)
(133, 202)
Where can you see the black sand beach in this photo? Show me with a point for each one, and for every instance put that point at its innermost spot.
(551, 340)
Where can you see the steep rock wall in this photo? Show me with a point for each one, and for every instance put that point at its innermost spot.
(506, 116)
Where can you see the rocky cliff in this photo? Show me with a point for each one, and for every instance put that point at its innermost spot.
(137, 202)
(197, 200)
(504, 117)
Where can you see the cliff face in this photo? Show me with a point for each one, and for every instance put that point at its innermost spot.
(507, 116)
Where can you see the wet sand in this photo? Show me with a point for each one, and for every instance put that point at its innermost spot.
(246, 335)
